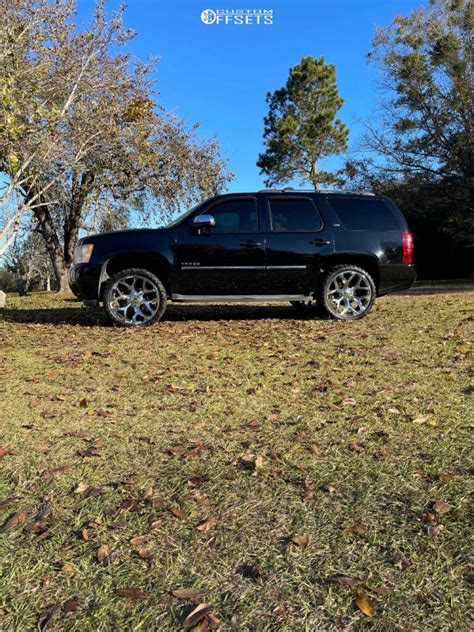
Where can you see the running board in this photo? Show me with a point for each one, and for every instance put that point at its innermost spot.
(238, 298)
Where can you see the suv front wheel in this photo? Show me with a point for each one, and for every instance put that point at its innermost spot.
(134, 298)
(347, 292)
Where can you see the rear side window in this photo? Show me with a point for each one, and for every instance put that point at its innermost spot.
(364, 213)
(294, 215)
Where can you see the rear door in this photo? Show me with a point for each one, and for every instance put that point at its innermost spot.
(296, 243)
(226, 259)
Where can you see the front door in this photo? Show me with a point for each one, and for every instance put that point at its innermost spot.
(225, 259)
(296, 243)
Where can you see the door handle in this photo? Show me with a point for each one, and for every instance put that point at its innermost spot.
(251, 244)
(320, 242)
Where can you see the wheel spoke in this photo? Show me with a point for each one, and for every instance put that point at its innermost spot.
(348, 294)
(134, 300)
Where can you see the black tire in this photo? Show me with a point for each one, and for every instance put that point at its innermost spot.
(147, 298)
(346, 302)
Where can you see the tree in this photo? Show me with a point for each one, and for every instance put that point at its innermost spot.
(424, 139)
(28, 260)
(81, 133)
(300, 128)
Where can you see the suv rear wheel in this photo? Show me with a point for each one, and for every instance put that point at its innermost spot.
(134, 298)
(347, 292)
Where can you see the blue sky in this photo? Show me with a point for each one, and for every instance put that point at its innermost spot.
(219, 74)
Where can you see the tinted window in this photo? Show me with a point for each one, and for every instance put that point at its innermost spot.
(235, 216)
(364, 213)
(293, 215)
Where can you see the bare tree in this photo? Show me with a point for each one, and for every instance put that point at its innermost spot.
(81, 132)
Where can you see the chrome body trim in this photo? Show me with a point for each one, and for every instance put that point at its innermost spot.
(238, 298)
(184, 267)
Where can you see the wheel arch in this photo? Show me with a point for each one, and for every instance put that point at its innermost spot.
(366, 261)
(147, 261)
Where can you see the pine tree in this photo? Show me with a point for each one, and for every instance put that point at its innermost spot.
(301, 127)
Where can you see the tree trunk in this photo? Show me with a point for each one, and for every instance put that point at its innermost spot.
(63, 281)
(48, 283)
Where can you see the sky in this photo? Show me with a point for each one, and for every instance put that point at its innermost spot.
(219, 75)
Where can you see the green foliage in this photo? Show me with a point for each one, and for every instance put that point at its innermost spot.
(80, 127)
(424, 141)
(301, 127)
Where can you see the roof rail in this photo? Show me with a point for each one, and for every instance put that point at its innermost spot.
(292, 189)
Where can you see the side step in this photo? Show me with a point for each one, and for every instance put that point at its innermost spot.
(238, 298)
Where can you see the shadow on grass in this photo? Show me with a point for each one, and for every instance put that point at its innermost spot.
(88, 317)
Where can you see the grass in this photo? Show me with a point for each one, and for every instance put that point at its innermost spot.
(266, 424)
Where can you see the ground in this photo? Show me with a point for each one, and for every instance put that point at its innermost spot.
(296, 473)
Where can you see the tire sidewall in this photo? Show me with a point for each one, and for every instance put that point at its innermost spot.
(325, 285)
(135, 272)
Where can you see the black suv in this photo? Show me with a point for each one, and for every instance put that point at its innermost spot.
(334, 251)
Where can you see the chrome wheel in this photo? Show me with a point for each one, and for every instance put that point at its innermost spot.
(349, 294)
(134, 300)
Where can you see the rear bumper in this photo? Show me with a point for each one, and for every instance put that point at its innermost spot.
(395, 278)
(84, 280)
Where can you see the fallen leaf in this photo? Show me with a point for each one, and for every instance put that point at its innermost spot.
(301, 539)
(131, 593)
(36, 525)
(207, 525)
(73, 604)
(422, 419)
(383, 591)
(401, 561)
(148, 493)
(196, 615)
(344, 580)
(5, 452)
(140, 539)
(356, 447)
(365, 605)
(81, 488)
(15, 521)
(349, 401)
(434, 530)
(85, 534)
(427, 518)
(196, 481)
(251, 571)
(441, 507)
(8, 501)
(191, 594)
(68, 569)
(47, 614)
(178, 513)
(145, 554)
(88, 452)
(103, 553)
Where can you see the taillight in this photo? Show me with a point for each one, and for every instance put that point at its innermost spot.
(407, 240)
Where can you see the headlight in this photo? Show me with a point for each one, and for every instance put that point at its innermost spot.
(83, 253)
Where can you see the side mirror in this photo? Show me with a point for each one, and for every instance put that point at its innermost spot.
(203, 221)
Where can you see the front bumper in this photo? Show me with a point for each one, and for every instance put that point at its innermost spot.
(84, 280)
(396, 278)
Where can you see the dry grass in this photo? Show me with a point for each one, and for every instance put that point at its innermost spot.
(355, 430)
